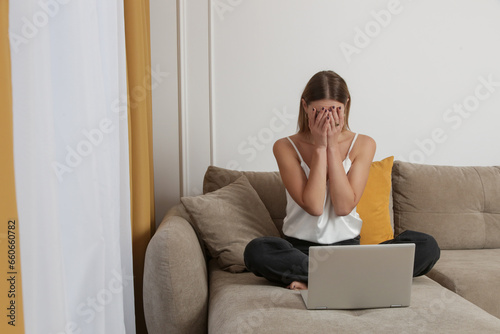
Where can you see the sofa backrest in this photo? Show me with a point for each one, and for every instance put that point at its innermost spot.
(268, 186)
(458, 206)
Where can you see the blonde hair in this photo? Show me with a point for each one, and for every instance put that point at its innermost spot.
(324, 85)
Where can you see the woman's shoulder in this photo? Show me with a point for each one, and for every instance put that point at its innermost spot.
(285, 141)
(285, 145)
(364, 145)
(280, 142)
(365, 140)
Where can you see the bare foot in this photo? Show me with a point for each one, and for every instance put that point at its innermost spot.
(296, 285)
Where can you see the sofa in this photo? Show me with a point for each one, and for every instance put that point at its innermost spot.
(195, 282)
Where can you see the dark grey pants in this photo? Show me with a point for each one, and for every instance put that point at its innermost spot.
(286, 260)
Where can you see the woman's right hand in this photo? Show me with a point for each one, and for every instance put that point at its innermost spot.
(319, 121)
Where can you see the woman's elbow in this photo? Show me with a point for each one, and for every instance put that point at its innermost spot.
(315, 212)
(342, 210)
(312, 207)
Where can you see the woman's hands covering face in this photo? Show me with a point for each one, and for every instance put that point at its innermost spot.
(336, 125)
(319, 124)
(326, 124)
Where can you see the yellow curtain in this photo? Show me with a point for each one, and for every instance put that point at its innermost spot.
(10, 260)
(141, 141)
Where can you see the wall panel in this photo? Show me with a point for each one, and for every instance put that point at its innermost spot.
(424, 78)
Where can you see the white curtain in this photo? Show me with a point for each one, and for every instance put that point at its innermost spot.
(71, 157)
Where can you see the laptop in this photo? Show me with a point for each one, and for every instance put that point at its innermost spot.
(359, 276)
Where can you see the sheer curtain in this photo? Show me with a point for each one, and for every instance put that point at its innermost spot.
(71, 158)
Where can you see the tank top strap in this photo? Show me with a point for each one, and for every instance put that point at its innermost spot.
(352, 144)
(296, 150)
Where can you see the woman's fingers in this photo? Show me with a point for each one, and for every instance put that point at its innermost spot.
(318, 124)
(336, 118)
(330, 119)
(321, 116)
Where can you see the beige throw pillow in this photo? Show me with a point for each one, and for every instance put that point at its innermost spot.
(228, 219)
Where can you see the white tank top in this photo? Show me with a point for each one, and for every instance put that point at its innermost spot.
(327, 228)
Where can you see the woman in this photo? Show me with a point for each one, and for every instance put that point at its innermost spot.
(324, 168)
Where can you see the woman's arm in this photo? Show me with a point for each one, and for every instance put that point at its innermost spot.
(310, 192)
(346, 190)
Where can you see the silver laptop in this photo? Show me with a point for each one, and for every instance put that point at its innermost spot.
(359, 276)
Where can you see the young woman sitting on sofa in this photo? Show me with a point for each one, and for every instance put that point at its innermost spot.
(324, 168)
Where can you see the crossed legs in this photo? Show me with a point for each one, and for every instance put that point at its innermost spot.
(284, 261)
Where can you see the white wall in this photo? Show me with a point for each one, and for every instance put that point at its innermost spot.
(410, 65)
(163, 17)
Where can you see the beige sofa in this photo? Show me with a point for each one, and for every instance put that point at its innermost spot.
(185, 291)
(460, 207)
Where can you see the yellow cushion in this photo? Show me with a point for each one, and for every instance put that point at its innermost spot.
(373, 208)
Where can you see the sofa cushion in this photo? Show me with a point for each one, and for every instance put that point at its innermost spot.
(268, 186)
(473, 274)
(373, 207)
(458, 206)
(245, 303)
(271, 191)
(228, 219)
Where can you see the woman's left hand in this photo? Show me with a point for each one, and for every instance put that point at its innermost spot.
(336, 125)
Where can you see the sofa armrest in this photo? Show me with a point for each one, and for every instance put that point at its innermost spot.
(175, 279)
